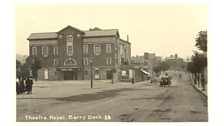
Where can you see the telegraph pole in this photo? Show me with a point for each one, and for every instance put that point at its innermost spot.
(91, 76)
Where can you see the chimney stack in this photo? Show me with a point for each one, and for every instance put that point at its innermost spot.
(127, 38)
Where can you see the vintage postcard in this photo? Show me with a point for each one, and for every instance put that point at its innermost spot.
(111, 62)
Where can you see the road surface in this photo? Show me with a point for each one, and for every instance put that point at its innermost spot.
(143, 102)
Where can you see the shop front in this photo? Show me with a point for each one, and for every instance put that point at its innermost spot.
(69, 73)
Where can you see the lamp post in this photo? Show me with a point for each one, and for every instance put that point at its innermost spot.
(91, 73)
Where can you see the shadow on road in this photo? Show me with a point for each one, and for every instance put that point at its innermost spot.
(155, 98)
(93, 97)
(87, 97)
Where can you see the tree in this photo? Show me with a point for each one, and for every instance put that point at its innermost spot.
(201, 41)
(22, 70)
(18, 68)
(196, 67)
(33, 63)
(157, 69)
(199, 61)
(163, 66)
(25, 72)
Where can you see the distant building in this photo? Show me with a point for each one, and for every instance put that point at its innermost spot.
(149, 60)
(175, 62)
(158, 61)
(145, 64)
(68, 53)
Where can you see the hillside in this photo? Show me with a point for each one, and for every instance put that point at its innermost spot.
(21, 58)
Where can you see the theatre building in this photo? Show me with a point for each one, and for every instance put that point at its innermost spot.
(68, 54)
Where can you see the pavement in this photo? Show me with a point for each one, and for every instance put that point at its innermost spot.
(75, 101)
(198, 88)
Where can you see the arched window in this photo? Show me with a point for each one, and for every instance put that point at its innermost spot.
(34, 51)
(45, 51)
(69, 41)
(70, 62)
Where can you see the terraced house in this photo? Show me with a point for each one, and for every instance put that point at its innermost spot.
(69, 53)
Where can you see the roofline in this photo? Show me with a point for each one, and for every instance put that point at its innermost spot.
(99, 36)
(117, 33)
(124, 40)
(100, 30)
(41, 33)
(71, 27)
(42, 39)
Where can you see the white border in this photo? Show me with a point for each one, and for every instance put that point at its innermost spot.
(216, 44)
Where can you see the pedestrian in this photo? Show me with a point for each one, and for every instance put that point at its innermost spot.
(17, 86)
(29, 83)
(22, 85)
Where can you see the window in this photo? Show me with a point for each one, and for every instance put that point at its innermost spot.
(108, 48)
(69, 41)
(45, 51)
(46, 74)
(85, 49)
(97, 75)
(97, 49)
(55, 49)
(34, 51)
(86, 72)
(86, 61)
(70, 62)
(55, 62)
(121, 49)
(69, 50)
(108, 60)
(78, 35)
(125, 53)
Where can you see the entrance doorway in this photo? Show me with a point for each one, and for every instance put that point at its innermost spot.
(68, 75)
(45, 74)
(109, 74)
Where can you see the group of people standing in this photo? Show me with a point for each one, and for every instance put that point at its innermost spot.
(24, 85)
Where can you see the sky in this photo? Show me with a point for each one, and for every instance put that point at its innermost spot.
(163, 29)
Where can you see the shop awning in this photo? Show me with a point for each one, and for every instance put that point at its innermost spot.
(145, 72)
(68, 68)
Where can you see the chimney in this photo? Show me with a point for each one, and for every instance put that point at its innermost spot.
(127, 38)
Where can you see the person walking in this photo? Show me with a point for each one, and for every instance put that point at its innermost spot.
(17, 86)
(29, 83)
(22, 85)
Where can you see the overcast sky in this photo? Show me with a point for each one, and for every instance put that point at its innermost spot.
(163, 29)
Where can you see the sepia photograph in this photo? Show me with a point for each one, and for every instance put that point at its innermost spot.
(111, 62)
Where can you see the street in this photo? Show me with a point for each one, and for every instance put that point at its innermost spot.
(122, 102)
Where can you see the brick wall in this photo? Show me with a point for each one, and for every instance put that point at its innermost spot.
(52, 73)
(77, 46)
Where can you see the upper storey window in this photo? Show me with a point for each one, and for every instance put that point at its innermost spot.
(85, 49)
(97, 49)
(69, 41)
(108, 48)
(45, 51)
(34, 51)
(55, 50)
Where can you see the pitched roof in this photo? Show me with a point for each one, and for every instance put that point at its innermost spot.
(69, 26)
(46, 35)
(124, 41)
(97, 33)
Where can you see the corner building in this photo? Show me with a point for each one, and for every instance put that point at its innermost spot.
(69, 53)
